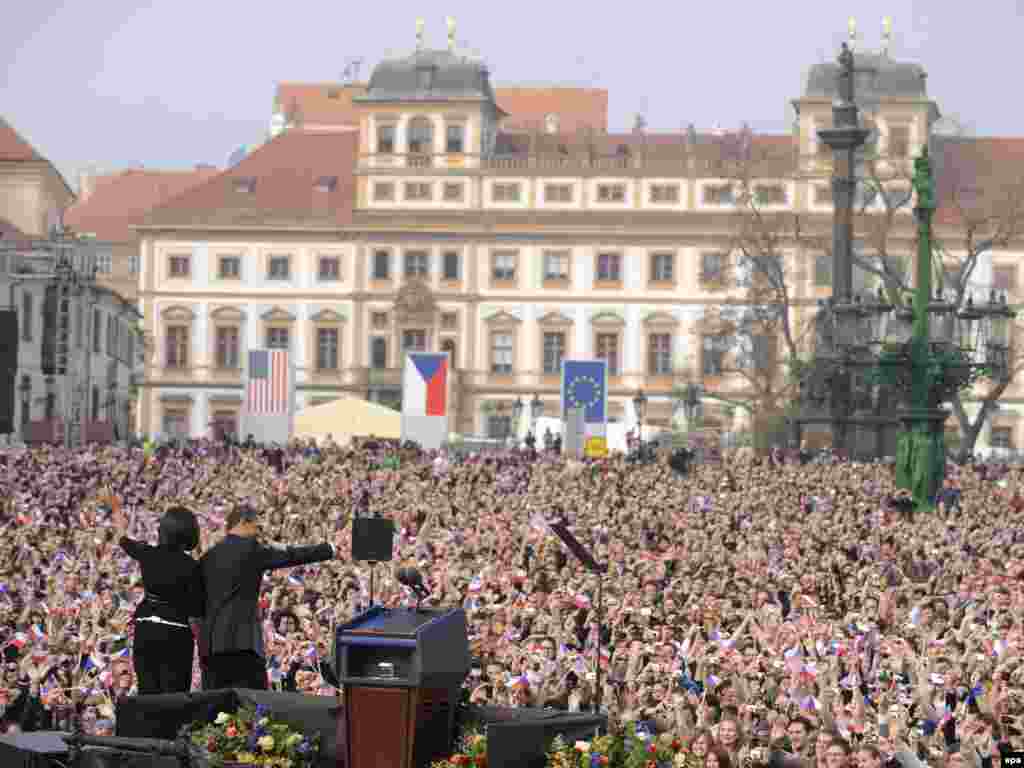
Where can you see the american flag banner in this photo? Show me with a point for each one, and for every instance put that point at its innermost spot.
(269, 408)
(269, 384)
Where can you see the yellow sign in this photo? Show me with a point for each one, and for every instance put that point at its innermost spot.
(595, 448)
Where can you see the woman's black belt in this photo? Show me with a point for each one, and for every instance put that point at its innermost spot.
(164, 609)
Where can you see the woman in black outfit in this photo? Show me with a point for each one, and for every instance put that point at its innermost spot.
(163, 643)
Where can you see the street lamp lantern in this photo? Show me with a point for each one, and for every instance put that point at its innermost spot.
(692, 401)
(940, 317)
(905, 313)
(639, 405)
(517, 410)
(997, 341)
(879, 310)
(853, 323)
(536, 407)
(969, 326)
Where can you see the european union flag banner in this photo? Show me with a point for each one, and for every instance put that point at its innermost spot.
(425, 399)
(585, 386)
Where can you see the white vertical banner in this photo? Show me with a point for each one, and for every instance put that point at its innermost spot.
(268, 410)
(425, 399)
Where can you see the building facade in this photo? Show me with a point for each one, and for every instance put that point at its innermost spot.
(33, 194)
(445, 223)
(87, 378)
(108, 207)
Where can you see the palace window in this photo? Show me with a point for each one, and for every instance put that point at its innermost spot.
(659, 354)
(278, 338)
(455, 139)
(504, 266)
(502, 353)
(450, 262)
(556, 265)
(416, 263)
(505, 192)
(177, 343)
(327, 349)
(609, 267)
(607, 345)
(554, 351)
(279, 268)
(611, 193)
(328, 269)
(386, 139)
(227, 347)
(664, 193)
(663, 267)
(558, 193)
(229, 268)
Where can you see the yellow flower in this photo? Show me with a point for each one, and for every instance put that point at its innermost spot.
(266, 743)
(222, 718)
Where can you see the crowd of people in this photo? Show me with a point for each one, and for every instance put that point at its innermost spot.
(749, 603)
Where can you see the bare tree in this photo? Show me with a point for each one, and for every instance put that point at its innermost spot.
(981, 208)
(760, 341)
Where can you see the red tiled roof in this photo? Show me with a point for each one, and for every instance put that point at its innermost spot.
(284, 174)
(121, 200)
(13, 147)
(576, 108)
(330, 104)
(320, 104)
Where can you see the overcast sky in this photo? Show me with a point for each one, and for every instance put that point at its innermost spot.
(172, 83)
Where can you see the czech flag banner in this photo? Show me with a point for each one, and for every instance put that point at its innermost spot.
(425, 399)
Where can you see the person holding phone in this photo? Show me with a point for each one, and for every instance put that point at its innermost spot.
(163, 644)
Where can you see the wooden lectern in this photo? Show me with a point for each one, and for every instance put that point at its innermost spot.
(402, 670)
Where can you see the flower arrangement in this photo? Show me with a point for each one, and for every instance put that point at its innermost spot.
(600, 752)
(626, 749)
(643, 751)
(251, 737)
(471, 752)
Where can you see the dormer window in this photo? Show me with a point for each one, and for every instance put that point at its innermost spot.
(899, 141)
(326, 183)
(245, 184)
(425, 76)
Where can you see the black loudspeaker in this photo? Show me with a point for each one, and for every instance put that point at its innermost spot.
(6, 401)
(520, 738)
(8, 368)
(161, 715)
(8, 340)
(373, 539)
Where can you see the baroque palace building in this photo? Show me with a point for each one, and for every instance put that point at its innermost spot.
(428, 210)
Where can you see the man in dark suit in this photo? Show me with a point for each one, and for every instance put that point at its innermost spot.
(232, 636)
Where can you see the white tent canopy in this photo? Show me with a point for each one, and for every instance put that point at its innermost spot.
(346, 418)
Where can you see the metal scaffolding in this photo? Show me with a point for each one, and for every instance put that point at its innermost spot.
(67, 267)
